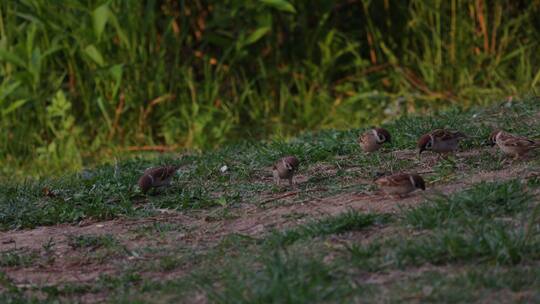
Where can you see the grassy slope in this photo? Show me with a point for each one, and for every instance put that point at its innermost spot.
(476, 244)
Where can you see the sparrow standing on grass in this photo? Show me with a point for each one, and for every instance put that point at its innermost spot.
(512, 144)
(156, 177)
(285, 169)
(400, 184)
(372, 140)
(440, 141)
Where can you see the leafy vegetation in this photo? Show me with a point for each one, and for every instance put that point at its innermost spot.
(82, 78)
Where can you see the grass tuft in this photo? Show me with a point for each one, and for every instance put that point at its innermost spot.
(349, 221)
(486, 200)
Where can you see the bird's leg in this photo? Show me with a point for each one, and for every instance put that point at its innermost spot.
(445, 155)
(291, 183)
(276, 178)
(503, 160)
(435, 161)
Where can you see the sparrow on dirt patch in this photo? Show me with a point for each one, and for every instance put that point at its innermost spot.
(372, 140)
(156, 177)
(440, 141)
(512, 144)
(285, 169)
(400, 184)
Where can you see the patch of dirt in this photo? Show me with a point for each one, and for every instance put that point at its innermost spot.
(199, 233)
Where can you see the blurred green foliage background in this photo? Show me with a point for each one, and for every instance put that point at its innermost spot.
(79, 79)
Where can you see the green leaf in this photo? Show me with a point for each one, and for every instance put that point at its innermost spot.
(34, 65)
(30, 37)
(14, 106)
(256, 35)
(116, 73)
(55, 48)
(536, 79)
(123, 37)
(100, 16)
(104, 112)
(93, 53)
(281, 5)
(11, 58)
(7, 89)
(59, 106)
(219, 40)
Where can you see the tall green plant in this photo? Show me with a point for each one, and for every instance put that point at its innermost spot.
(204, 72)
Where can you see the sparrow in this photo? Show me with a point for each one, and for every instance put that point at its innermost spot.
(156, 177)
(440, 141)
(372, 140)
(285, 169)
(512, 144)
(400, 184)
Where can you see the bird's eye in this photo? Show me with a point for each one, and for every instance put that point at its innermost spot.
(382, 138)
(428, 145)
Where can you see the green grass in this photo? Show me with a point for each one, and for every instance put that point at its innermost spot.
(350, 221)
(91, 241)
(480, 242)
(282, 278)
(249, 271)
(108, 191)
(472, 284)
(488, 242)
(17, 258)
(487, 200)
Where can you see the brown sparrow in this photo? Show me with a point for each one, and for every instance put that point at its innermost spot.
(372, 140)
(285, 169)
(401, 184)
(440, 141)
(156, 177)
(512, 144)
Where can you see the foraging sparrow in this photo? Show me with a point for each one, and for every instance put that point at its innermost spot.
(440, 141)
(285, 169)
(372, 140)
(401, 184)
(156, 177)
(512, 144)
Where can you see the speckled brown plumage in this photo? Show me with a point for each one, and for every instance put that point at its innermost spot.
(285, 169)
(400, 183)
(156, 177)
